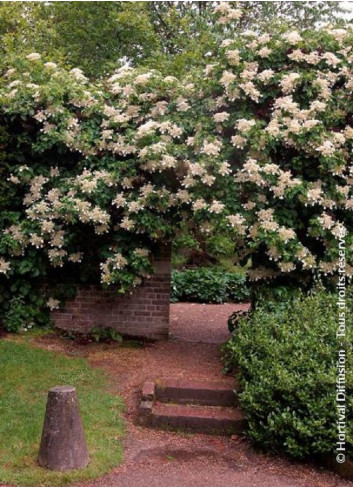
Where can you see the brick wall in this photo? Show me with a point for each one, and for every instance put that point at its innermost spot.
(143, 314)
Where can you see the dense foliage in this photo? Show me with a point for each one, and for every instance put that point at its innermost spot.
(168, 35)
(208, 285)
(287, 365)
(256, 148)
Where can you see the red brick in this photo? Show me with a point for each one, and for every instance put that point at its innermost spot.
(143, 313)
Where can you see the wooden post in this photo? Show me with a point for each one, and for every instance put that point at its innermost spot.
(63, 445)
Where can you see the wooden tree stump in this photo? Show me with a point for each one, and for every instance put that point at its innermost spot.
(63, 444)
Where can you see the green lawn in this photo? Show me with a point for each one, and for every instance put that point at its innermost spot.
(26, 375)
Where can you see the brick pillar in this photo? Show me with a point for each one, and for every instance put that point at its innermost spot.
(142, 314)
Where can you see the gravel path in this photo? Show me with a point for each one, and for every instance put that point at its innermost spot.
(164, 459)
(200, 322)
(171, 460)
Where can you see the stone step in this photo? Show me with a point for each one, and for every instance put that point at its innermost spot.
(198, 419)
(196, 392)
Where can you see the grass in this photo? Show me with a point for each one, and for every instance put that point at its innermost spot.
(26, 375)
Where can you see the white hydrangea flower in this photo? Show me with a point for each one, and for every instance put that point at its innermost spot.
(244, 125)
(33, 56)
(5, 266)
(221, 116)
(53, 304)
(292, 37)
(50, 65)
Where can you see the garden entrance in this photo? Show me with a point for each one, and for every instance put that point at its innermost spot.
(201, 323)
(190, 401)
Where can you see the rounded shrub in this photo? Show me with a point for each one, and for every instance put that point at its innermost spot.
(208, 285)
(287, 367)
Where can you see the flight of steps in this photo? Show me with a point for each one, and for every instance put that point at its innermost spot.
(200, 407)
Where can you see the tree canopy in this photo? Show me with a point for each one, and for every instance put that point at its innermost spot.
(171, 36)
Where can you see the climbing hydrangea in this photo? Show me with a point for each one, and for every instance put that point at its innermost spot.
(258, 147)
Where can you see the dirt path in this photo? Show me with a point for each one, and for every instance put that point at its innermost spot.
(162, 459)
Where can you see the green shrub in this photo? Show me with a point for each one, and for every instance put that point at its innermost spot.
(253, 154)
(208, 285)
(99, 334)
(286, 363)
(272, 297)
(102, 334)
(25, 312)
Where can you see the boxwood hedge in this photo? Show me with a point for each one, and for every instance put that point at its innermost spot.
(286, 362)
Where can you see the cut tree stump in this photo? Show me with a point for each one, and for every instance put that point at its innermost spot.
(63, 444)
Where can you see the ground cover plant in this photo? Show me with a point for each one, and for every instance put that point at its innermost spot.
(286, 359)
(27, 373)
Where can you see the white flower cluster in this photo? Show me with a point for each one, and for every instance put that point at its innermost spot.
(260, 149)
